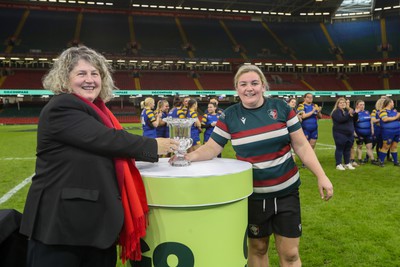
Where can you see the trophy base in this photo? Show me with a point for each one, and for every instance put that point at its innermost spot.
(180, 163)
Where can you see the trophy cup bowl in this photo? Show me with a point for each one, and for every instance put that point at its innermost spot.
(179, 129)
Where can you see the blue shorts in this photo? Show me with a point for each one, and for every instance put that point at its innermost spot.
(196, 139)
(311, 134)
(390, 137)
(196, 142)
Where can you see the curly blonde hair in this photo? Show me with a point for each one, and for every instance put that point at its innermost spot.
(57, 79)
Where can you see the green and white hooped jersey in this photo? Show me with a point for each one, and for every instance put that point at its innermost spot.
(261, 136)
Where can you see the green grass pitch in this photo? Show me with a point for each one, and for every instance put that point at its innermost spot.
(358, 227)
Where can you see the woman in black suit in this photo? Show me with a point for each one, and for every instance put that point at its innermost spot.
(343, 133)
(77, 208)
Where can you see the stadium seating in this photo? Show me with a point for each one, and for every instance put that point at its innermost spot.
(208, 38)
(167, 81)
(285, 82)
(395, 81)
(45, 31)
(9, 19)
(365, 82)
(324, 82)
(357, 39)
(392, 32)
(158, 37)
(255, 39)
(108, 33)
(142, 36)
(305, 39)
(24, 79)
(124, 80)
(216, 81)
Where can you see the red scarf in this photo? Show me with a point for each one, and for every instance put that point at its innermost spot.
(132, 190)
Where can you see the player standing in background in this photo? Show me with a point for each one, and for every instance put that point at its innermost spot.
(364, 132)
(377, 138)
(162, 110)
(390, 126)
(148, 119)
(209, 120)
(196, 127)
(218, 110)
(310, 114)
(177, 111)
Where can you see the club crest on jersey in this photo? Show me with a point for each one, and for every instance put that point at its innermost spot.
(273, 114)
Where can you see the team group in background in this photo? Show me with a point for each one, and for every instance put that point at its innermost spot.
(154, 126)
(352, 127)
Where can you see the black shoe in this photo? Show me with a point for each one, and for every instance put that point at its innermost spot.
(396, 164)
(381, 164)
(375, 162)
(365, 161)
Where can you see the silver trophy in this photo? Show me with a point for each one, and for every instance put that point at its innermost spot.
(179, 129)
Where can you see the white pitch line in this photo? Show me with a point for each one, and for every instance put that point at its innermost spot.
(331, 146)
(324, 148)
(29, 158)
(10, 193)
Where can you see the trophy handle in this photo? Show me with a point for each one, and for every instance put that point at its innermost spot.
(190, 142)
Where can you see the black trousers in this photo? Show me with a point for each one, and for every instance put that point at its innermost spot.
(42, 255)
(343, 147)
(13, 245)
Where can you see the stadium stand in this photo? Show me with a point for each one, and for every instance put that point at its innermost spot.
(160, 36)
(365, 81)
(108, 33)
(357, 39)
(325, 82)
(216, 81)
(304, 38)
(255, 39)
(392, 32)
(11, 18)
(167, 81)
(208, 38)
(286, 82)
(24, 79)
(45, 32)
(124, 80)
(395, 81)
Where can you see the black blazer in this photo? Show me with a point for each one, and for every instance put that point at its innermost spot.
(74, 198)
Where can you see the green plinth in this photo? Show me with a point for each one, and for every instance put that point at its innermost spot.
(198, 214)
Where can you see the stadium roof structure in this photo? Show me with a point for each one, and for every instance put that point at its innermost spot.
(326, 9)
(272, 6)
